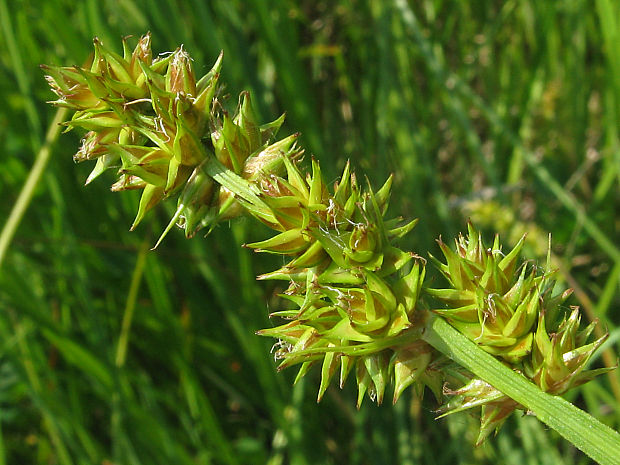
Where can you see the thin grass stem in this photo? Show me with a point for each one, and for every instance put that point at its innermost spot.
(25, 196)
(130, 303)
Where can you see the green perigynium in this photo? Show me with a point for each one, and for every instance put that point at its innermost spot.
(156, 123)
(354, 293)
(356, 302)
(490, 299)
(510, 310)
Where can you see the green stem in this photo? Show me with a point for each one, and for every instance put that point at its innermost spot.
(25, 196)
(130, 304)
(588, 434)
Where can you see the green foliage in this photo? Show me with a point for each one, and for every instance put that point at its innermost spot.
(510, 103)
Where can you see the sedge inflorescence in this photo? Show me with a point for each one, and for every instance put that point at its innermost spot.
(356, 304)
(508, 308)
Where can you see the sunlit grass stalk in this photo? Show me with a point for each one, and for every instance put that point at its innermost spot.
(130, 304)
(32, 182)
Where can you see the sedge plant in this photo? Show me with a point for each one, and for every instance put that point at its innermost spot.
(494, 335)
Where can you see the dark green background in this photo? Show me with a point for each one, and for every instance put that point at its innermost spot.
(503, 112)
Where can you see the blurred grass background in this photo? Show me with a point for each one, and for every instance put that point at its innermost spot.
(503, 112)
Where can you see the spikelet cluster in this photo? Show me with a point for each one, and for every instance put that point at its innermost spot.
(510, 311)
(356, 302)
(156, 123)
(354, 294)
(489, 299)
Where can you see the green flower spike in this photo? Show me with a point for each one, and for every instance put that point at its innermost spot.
(158, 124)
(557, 364)
(516, 317)
(243, 147)
(339, 234)
(367, 327)
(181, 109)
(109, 94)
(355, 294)
(354, 300)
(559, 358)
(298, 204)
(489, 299)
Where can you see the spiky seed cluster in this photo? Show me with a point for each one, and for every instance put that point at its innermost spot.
(108, 92)
(557, 364)
(354, 296)
(560, 354)
(156, 123)
(514, 315)
(489, 299)
(354, 293)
